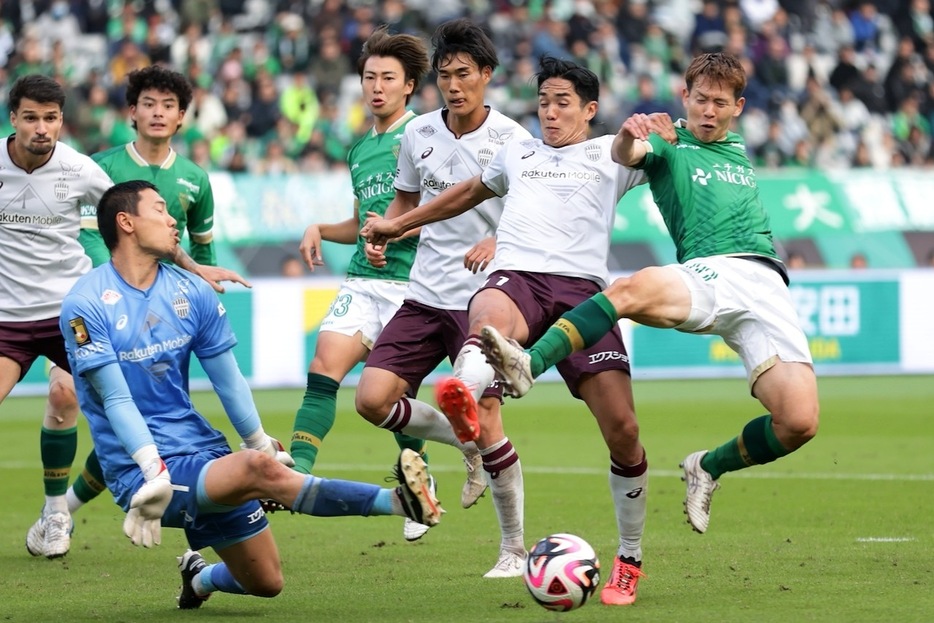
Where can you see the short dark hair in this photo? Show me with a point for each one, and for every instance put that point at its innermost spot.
(719, 67)
(409, 50)
(586, 83)
(462, 36)
(122, 197)
(161, 79)
(41, 89)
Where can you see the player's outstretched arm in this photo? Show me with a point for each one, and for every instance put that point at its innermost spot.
(143, 522)
(455, 200)
(629, 146)
(214, 275)
(237, 398)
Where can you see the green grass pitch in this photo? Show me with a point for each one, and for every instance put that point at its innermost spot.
(840, 531)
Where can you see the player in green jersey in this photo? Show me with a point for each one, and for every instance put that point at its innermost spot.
(728, 282)
(390, 68)
(158, 98)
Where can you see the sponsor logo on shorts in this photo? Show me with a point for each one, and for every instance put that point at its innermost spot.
(255, 516)
(608, 355)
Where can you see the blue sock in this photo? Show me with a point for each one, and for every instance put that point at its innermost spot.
(218, 578)
(335, 498)
(382, 505)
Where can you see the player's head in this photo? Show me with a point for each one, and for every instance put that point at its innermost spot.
(405, 56)
(136, 208)
(712, 96)
(464, 59)
(567, 101)
(36, 113)
(160, 92)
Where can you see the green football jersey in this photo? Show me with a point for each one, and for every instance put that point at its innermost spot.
(708, 196)
(373, 161)
(184, 186)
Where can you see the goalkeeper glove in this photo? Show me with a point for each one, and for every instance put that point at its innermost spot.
(271, 446)
(143, 523)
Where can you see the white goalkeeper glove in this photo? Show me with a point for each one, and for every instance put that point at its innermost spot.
(143, 523)
(271, 446)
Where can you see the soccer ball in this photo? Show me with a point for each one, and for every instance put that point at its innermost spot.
(562, 572)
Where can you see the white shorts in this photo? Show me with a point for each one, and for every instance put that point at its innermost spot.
(364, 305)
(747, 304)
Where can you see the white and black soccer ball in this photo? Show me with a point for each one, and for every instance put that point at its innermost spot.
(562, 572)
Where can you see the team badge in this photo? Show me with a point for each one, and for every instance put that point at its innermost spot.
(182, 307)
(110, 297)
(82, 338)
(593, 152)
(61, 191)
(484, 156)
(426, 131)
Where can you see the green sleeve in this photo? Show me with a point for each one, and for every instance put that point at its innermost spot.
(201, 224)
(94, 246)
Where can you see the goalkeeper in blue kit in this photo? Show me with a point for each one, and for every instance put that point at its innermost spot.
(130, 327)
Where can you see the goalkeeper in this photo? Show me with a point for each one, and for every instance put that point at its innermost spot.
(130, 328)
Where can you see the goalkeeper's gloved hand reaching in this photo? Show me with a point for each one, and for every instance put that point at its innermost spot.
(143, 523)
(273, 447)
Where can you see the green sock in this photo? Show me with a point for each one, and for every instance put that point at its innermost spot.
(576, 330)
(58, 449)
(757, 445)
(412, 443)
(90, 482)
(313, 420)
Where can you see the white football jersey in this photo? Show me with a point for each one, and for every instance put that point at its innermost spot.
(40, 212)
(560, 206)
(432, 159)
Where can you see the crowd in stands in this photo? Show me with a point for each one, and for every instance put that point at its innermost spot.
(832, 83)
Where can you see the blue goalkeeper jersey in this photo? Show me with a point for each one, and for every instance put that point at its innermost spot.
(151, 335)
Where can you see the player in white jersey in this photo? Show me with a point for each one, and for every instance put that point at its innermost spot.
(440, 149)
(552, 243)
(43, 184)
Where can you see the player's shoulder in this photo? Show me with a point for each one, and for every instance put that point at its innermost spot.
(190, 168)
(507, 127)
(109, 154)
(73, 162)
(425, 126)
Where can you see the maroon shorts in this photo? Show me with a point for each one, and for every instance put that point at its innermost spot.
(542, 299)
(417, 339)
(24, 342)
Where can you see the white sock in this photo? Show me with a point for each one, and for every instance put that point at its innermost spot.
(471, 368)
(55, 504)
(424, 422)
(74, 502)
(508, 492)
(629, 499)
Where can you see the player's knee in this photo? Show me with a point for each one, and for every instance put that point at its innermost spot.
(623, 434)
(62, 398)
(260, 468)
(268, 583)
(373, 406)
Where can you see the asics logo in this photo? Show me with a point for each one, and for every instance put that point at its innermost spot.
(427, 152)
(528, 155)
(632, 495)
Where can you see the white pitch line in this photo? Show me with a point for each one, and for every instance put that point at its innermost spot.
(753, 473)
(885, 539)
